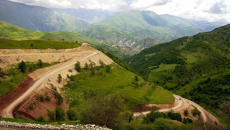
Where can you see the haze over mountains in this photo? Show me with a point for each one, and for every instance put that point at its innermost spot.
(128, 30)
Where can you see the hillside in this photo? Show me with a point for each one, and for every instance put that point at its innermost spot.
(89, 15)
(131, 27)
(195, 67)
(37, 18)
(9, 31)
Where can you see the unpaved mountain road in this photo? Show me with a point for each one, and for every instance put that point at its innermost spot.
(8, 111)
(181, 105)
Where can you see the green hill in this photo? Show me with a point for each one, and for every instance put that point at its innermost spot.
(131, 27)
(37, 18)
(196, 67)
(9, 31)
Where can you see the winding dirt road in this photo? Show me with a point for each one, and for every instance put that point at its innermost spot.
(206, 116)
(8, 111)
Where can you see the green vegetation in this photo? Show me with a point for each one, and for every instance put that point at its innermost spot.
(195, 112)
(37, 17)
(59, 98)
(44, 40)
(59, 78)
(22, 67)
(197, 67)
(31, 106)
(41, 119)
(59, 114)
(118, 81)
(10, 77)
(37, 44)
(78, 67)
(72, 115)
(186, 112)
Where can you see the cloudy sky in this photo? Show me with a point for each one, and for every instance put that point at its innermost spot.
(210, 10)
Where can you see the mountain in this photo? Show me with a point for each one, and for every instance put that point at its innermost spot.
(10, 31)
(37, 18)
(89, 15)
(196, 67)
(130, 27)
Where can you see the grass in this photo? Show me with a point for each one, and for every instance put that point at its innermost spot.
(118, 81)
(12, 76)
(36, 44)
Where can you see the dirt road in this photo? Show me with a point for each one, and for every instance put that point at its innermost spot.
(8, 111)
(206, 116)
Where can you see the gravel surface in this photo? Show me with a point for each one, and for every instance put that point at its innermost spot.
(26, 126)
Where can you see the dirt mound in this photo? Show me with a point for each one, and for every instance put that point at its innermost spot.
(40, 108)
(14, 56)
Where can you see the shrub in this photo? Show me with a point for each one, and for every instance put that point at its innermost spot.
(174, 116)
(31, 106)
(59, 98)
(102, 64)
(51, 115)
(107, 68)
(72, 115)
(102, 111)
(59, 78)
(40, 63)
(86, 66)
(60, 113)
(77, 66)
(195, 112)
(186, 112)
(22, 66)
(47, 97)
(41, 119)
(151, 117)
(187, 121)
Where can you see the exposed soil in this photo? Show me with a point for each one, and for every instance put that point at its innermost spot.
(40, 107)
(8, 98)
(46, 77)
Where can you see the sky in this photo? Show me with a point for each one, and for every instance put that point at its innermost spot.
(209, 10)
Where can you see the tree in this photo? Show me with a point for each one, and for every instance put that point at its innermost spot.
(59, 98)
(77, 66)
(102, 64)
(186, 112)
(41, 119)
(86, 66)
(59, 78)
(51, 115)
(102, 111)
(107, 68)
(22, 66)
(60, 113)
(136, 78)
(40, 63)
(195, 112)
(31, 106)
(72, 115)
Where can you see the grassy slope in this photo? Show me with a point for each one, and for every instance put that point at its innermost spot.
(118, 81)
(10, 31)
(11, 77)
(138, 24)
(188, 65)
(37, 18)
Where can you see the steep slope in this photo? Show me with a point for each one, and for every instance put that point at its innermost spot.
(89, 15)
(196, 67)
(9, 31)
(37, 18)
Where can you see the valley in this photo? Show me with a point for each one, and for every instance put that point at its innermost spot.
(122, 65)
